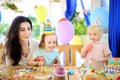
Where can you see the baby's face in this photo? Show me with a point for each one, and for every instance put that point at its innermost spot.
(94, 37)
(50, 42)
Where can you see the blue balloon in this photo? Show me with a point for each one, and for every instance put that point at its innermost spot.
(0, 17)
(102, 14)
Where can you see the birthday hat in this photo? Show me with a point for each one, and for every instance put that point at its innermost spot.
(48, 29)
(97, 21)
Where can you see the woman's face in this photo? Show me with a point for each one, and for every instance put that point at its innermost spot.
(50, 42)
(24, 31)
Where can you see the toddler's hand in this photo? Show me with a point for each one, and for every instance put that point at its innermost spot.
(55, 63)
(88, 47)
(40, 60)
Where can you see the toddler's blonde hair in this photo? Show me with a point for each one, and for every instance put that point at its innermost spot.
(95, 29)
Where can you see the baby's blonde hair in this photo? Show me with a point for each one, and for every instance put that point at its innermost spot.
(95, 29)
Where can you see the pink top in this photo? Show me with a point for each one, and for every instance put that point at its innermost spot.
(99, 52)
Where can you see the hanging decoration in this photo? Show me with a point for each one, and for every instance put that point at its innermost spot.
(86, 16)
(11, 6)
(70, 9)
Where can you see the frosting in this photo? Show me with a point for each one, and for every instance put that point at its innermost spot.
(90, 72)
(60, 71)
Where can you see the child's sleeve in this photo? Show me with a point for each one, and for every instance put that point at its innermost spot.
(106, 50)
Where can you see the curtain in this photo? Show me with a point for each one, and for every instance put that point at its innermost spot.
(70, 9)
(114, 27)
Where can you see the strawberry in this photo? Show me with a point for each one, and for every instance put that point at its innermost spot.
(118, 78)
(92, 70)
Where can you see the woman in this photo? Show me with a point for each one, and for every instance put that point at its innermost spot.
(19, 45)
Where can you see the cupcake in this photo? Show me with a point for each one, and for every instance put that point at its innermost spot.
(90, 75)
(60, 74)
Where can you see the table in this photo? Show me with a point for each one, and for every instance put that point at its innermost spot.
(11, 71)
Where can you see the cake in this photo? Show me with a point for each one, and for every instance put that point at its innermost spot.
(90, 75)
(60, 74)
(114, 61)
(113, 68)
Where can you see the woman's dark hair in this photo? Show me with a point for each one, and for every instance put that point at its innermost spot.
(13, 46)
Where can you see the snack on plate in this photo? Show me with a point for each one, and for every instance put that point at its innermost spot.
(90, 75)
(60, 74)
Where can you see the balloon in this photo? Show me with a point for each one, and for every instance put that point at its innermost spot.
(75, 41)
(41, 13)
(65, 32)
(0, 16)
(102, 14)
(62, 19)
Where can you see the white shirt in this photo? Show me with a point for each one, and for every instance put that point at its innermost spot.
(33, 46)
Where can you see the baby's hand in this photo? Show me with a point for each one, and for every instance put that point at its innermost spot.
(88, 47)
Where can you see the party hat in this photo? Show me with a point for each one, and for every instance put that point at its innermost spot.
(48, 29)
(97, 21)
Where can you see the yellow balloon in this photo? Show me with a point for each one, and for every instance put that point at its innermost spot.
(41, 13)
(75, 41)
